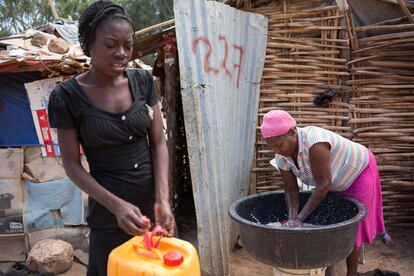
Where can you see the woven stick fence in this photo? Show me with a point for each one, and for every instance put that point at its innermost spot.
(302, 60)
(382, 107)
(375, 107)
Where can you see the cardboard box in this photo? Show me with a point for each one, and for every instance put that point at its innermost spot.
(11, 163)
(42, 169)
(31, 153)
(38, 93)
(15, 246)
(11, 206)
(77, 236)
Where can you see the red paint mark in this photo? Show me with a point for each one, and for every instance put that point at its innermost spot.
(207, 66)
(226, 54)
(238, 65)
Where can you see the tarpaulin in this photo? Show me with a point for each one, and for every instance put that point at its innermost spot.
(52, 204)
(369, 12)
(67, 30)
(16, 122)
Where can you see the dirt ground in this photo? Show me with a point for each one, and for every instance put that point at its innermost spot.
(398, 258)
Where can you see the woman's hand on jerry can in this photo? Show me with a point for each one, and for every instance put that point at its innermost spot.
(130, 219)
(164, 217)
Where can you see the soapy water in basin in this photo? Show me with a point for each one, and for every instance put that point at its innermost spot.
(299, 248)
(333, 209)
(279, 224)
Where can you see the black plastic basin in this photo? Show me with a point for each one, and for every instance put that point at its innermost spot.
(330, 240)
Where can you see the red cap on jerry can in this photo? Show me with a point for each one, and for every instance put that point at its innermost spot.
(173, 258)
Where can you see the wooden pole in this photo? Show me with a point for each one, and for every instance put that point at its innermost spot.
(406, 10)
(253, 176)
(154, 27)
(170, 67)
(53, 8)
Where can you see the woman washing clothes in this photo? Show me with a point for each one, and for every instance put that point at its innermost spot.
(113, 113)
(331, 163)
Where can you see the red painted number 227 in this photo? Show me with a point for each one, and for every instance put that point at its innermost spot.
(224, 62)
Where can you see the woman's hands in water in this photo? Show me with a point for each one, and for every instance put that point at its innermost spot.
(130, 219)
(164, 217)
(294, 223)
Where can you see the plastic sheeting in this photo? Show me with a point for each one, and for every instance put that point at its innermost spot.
(67, 30)
(373, 11)
(16, 122)
(52, 204)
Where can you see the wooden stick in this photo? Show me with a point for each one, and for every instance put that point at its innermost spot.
(384, 37)
(384, 28)
(406, 10)
(155, 27)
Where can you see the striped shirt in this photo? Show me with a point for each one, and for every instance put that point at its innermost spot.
(348, 159)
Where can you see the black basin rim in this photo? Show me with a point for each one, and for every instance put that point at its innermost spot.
(320, 228)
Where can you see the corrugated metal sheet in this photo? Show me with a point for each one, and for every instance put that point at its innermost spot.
(221, 53)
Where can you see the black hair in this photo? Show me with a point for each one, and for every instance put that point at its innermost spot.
(93, 16)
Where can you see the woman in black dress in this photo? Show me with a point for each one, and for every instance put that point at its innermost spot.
(113, 113)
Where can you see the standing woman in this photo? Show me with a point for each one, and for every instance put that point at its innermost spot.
(113, 113)
(331, 163)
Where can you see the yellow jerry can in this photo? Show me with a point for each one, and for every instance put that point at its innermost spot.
(171, 257)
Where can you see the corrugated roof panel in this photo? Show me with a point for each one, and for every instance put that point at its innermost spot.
(221, 54)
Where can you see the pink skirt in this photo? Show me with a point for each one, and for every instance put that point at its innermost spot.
(366, 188)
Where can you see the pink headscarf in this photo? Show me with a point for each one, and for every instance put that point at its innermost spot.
(276, 123)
